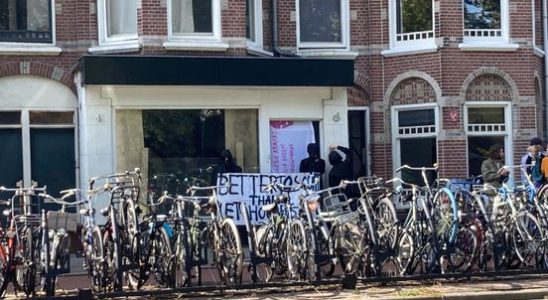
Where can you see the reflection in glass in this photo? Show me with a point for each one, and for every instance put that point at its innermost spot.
(482, 14)
(414, 16)
(320, 21)
(121, 17)
(192, 16)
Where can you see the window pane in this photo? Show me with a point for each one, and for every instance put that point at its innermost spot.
(485, 115)
(414, 15)
(419, 152)
(53, 159)
(482, 14)
(478, 149)
(10, 117)
(320, 20)
(25, 21)
(250, 20)
(416, 117)
(11, 157)
(121, 17)
(51, 117)
(192, 16)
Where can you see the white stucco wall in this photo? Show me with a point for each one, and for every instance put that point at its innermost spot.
(99, 103)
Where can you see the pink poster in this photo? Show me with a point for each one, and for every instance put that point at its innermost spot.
(288, 142)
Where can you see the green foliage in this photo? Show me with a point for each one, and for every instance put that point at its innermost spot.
(416, 15)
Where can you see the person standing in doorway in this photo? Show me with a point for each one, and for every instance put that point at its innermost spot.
(341, 168)
(313, 163)
(491, 169)
(228, 165)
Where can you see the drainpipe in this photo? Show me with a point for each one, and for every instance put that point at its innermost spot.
(275, 48)
(545, 37)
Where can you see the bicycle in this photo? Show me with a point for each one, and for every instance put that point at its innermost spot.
(208, 231)
(55, 240)
(21, 259)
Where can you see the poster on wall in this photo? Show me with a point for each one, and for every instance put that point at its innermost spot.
(288, 142)
(250, 189)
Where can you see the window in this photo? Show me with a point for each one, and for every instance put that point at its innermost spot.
(194, 25)
(23, 21)
(42, 149)
(254, 24)
(486, 22)
(322, 24)
(415, 133)
(486, 124)
(117, 21)
(187, 143)
(117, 25)
(411, 23)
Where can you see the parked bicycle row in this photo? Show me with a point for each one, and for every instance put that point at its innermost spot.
(170, 237)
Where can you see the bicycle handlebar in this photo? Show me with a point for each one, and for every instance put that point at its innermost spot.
(434, 168)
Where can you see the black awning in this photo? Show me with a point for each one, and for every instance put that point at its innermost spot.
(224, 71)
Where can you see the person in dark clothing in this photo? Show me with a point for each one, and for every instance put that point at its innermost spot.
(313, 163)
(341, 169)
(228, 165)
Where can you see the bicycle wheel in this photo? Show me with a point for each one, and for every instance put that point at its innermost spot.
(163, 263)
(349, 244)
(110, 266)
(325, 249)
(445, 214)
(311, 266)
(180, 270)
(387, 225)
(405, 253)
(527, 237)
(264, 271)
(231, 256)
(27, 274)
(464, 251)
(132, 241)
(95, 259)
(296, 250)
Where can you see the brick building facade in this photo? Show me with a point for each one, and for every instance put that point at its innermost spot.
(430, 84)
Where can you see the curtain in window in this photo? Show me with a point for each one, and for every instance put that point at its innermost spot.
(121, 17)
(182, 17)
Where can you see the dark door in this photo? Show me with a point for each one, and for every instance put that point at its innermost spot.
(357, 136)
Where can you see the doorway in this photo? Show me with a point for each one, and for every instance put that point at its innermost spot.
(358, 141)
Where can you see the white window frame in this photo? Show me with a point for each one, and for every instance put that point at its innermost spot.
(257, 27)
(423, 41)
(396, 136)
(14, 48)
(485, 130)
(536, 47)
(25, 127)
(103, 28)
(196, 41)
(345, 30)
(490, 43)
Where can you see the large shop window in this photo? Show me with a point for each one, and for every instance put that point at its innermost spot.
(23, 21)
(322, 23)
(415, 140)
(185, 144)
(38, 146)
(412, 23)
(117, 21)
(485, 126)
(485, 21)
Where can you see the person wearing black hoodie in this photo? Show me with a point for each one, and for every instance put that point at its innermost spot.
(341, 169)
(228, 165)
(313, 163)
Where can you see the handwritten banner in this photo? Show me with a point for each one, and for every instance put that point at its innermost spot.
(288, 142)
(249, 189)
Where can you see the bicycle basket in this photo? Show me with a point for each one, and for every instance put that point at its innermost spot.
(334, 206)
(62, 220)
